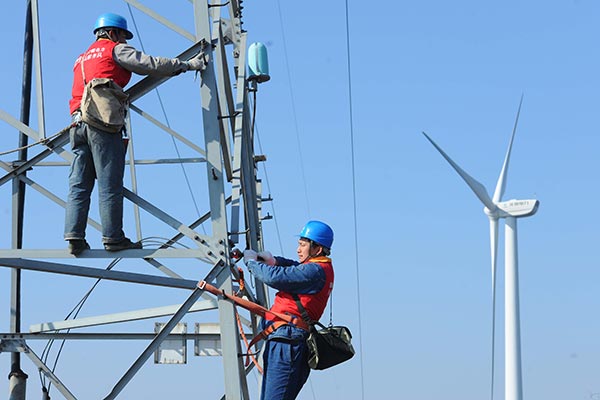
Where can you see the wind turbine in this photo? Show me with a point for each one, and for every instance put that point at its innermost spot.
(509, 210)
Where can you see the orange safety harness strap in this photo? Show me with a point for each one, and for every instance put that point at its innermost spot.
(283, 319)
(266, 332)
(249, 355)
(255, 308)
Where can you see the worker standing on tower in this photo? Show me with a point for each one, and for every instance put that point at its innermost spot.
(309, 281)
(98, 153)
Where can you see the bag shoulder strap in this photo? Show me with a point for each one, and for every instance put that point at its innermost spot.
(304, 314)
(83, 71)
(302, 310)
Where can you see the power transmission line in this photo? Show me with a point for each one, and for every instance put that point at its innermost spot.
(362, 386)
(287, 65)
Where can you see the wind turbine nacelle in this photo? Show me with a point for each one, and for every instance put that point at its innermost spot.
(518, 208)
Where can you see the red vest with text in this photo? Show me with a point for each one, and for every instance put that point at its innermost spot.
(313, 303)
(98, 63)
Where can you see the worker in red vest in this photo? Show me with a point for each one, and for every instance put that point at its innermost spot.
(100, 155)
(285, 355)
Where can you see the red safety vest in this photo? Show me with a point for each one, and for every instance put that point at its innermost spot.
(98, 63)
(313, 303)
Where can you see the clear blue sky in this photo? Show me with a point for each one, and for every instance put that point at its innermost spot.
(453, 69)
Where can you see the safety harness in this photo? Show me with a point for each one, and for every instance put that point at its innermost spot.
(253, 307)
(282, 319)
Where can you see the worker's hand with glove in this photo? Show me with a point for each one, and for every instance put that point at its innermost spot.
(198, 63)
(250, 255)
(266, 257)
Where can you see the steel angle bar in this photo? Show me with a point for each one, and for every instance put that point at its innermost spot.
(53, 164)
(115, 318)
(103, 254)
(210, 125)
(151, 82)
(20, 126)
(165, 270)
(250, 186)
(40, 189)
(237, 145)
(230, 343)
(43, 266)
(162, 20)
(133, 175)
(235, 9)
(19, 345)
(248, 183)
(176, 238)
(158, 161)
(251, 366)
(53, 146)
(226, 111)
(224, 79)
(162, 268)
(193, 225)
(188, 160)
(167, 129)
(105, 336)
(235, 382)
(245, 321)
(207, 241)
(259, 205)
(161, 336)
(37, 66)
(169, 272)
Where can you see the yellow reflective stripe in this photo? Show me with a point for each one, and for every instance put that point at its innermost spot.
(319, 259)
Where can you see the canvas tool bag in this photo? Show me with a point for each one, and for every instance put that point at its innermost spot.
(103, 104)
(328, 346)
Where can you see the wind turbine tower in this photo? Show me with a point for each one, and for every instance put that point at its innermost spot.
(510, 211)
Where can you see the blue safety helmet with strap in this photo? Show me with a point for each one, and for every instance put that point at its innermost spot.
(319, 232)
(110, 20)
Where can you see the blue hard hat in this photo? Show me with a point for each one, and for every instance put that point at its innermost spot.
(110, 20)
(319, 232)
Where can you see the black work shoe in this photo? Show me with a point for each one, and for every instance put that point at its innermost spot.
(76, 246)
(122, 245)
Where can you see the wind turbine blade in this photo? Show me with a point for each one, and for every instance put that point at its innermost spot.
(493, 253)
(475, 186)
(501, 184)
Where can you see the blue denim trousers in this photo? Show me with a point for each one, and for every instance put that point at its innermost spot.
(285, 364)
(99, 156)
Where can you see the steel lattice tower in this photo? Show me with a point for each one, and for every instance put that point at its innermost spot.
(233, 190)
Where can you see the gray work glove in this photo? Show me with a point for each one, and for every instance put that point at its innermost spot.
(266, 257)
(198, 63)
(250, 255)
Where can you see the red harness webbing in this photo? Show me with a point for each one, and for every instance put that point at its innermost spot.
(255, 308)
(249, 354)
